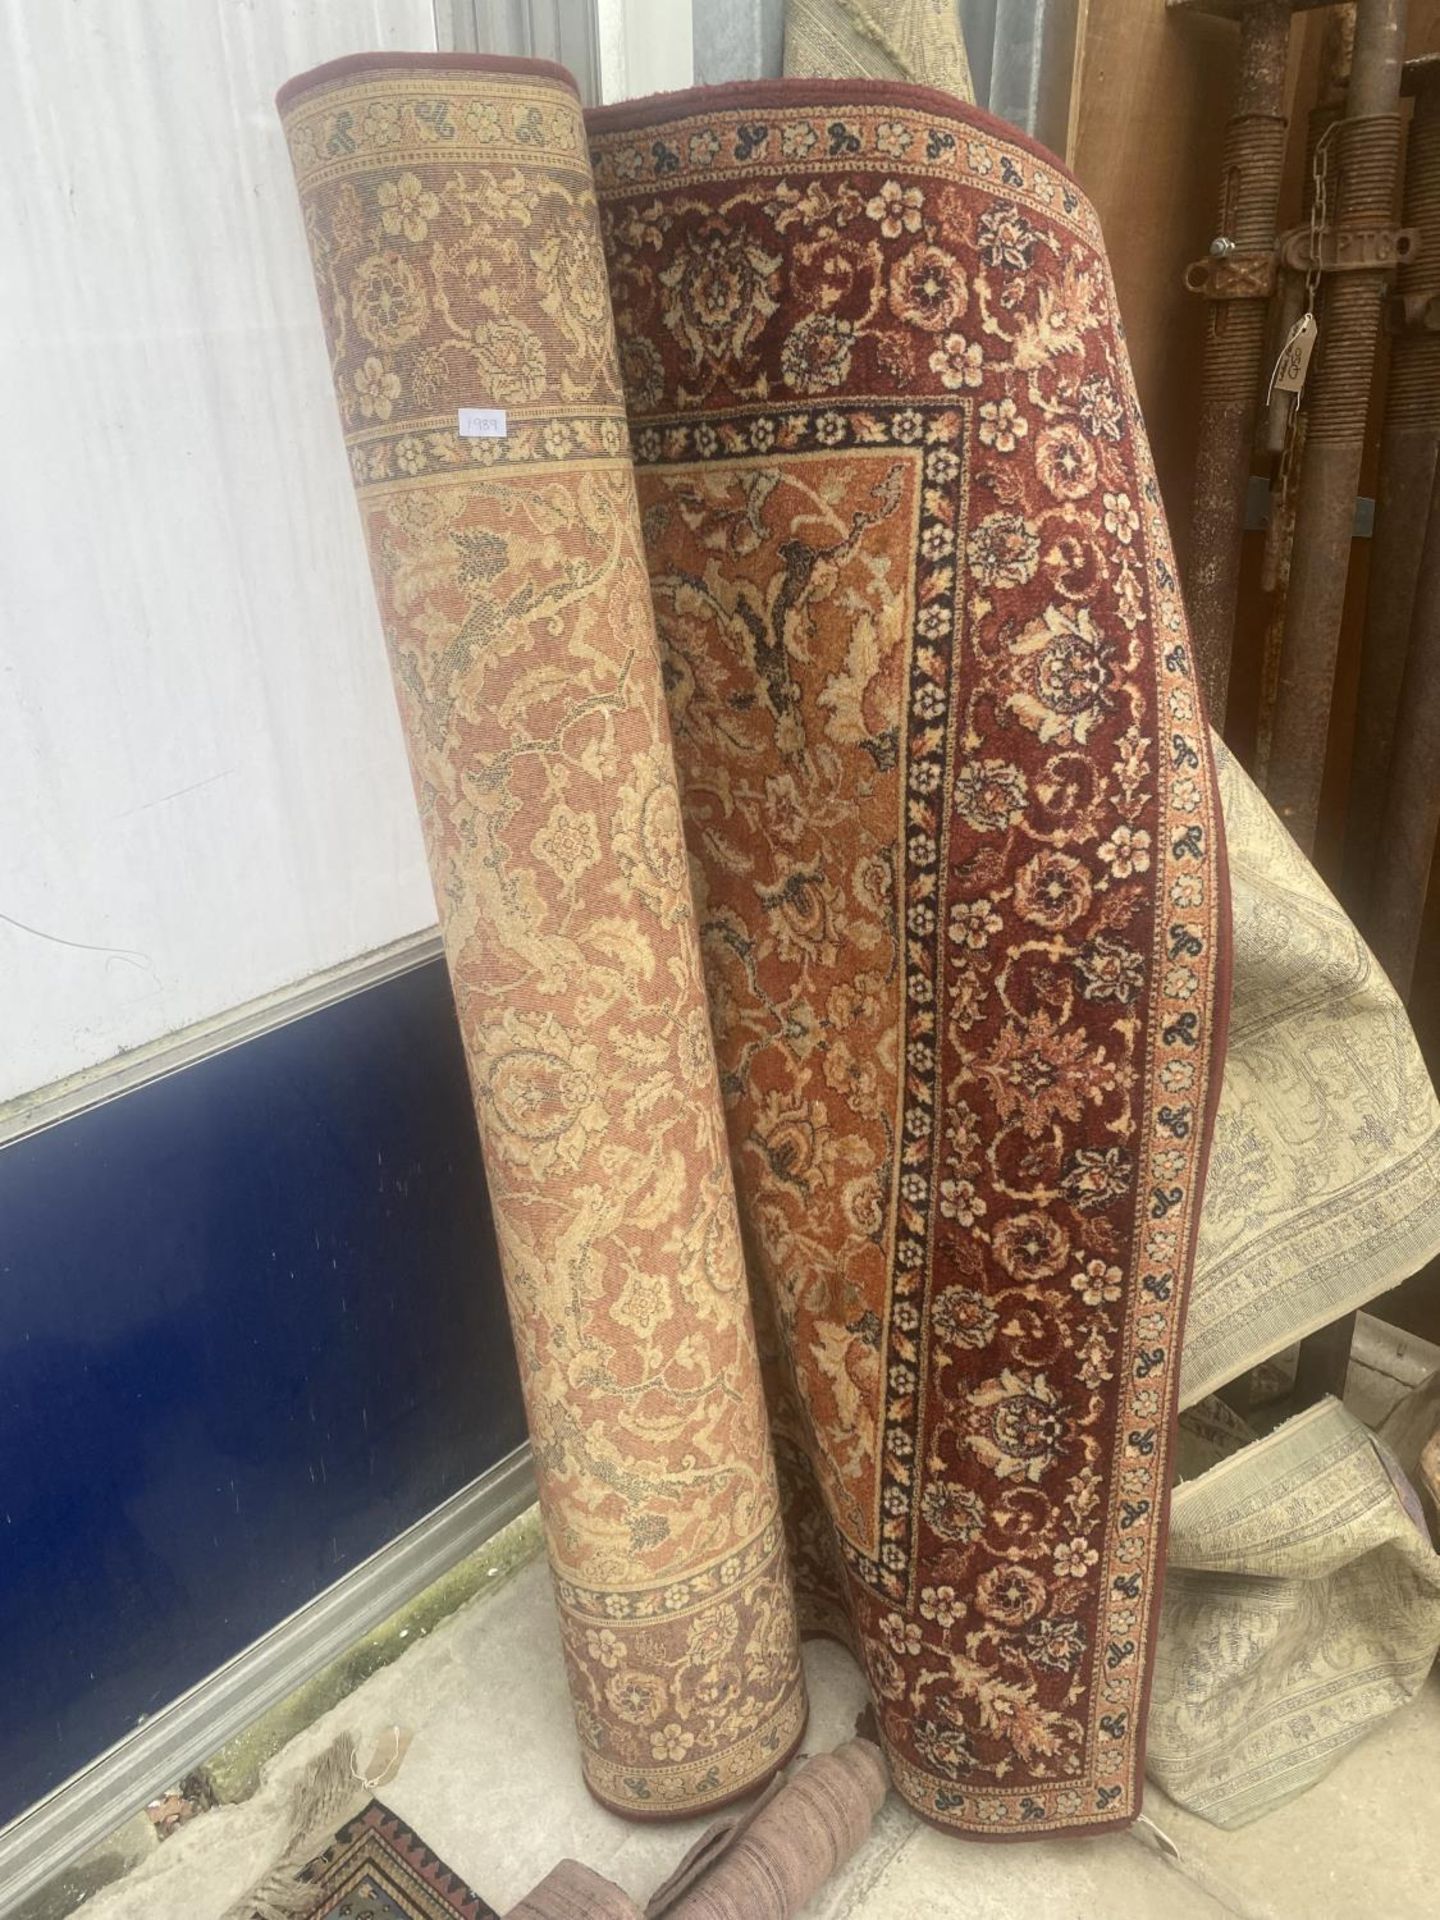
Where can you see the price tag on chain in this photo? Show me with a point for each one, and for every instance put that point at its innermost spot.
(1294, 361)
(1293, 364)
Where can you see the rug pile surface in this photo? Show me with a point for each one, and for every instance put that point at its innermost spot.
(821, 815)
(376, 1868)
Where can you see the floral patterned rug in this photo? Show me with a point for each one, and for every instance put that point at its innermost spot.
(822, 818)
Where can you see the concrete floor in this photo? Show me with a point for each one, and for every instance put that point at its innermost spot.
(491, 1783)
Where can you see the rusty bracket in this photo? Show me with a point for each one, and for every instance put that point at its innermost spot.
(1227, 274)
(1233, 275)
(1413, 313)
(1348, 249)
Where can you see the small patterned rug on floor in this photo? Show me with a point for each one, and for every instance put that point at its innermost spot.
(377, 1869)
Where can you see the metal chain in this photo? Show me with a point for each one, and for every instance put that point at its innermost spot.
(1301, 342)
(1293, 365)
(1319, 211)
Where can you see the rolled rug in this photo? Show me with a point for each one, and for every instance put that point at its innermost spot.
(1324, 1185)
(571, 1891)
(879, 40)
(449, 211)
(781, 1854)
(764, 1863)
(955, 834)
(952, 816)
(1302, 1609)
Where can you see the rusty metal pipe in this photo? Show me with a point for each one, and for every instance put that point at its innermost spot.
(1252, 164)
(1409, 444)
(1369, 139)
(1405, 846)
(1285, 422)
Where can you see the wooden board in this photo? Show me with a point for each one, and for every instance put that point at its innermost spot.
(1147, 114)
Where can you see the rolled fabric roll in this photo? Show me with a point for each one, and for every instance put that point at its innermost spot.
(450, 214)
(879, 40)
(781, 1856)
(575, 1892)
(763, 1863)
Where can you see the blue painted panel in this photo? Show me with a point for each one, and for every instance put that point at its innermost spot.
(251, 1327)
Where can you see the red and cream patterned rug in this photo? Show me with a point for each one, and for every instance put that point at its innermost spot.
(822, 818)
